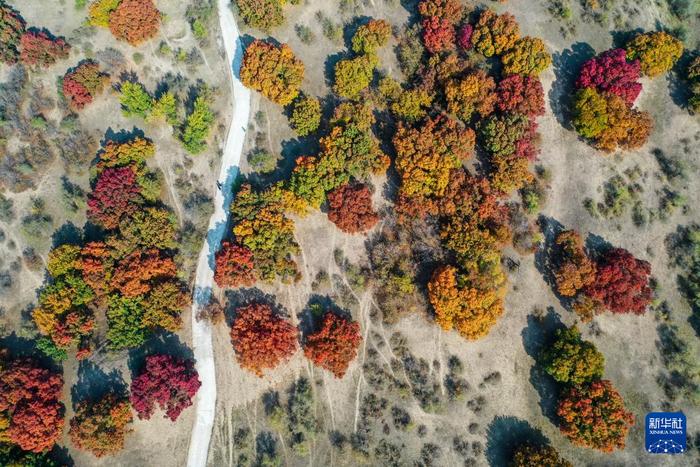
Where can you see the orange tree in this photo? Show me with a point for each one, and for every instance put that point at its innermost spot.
(101, 426)
(135, 21)
(350, 208)
(273, 71)
(334, 344)
(593, 415)
(574, 270)
(234, 266)
(261, 339)
(475, 93)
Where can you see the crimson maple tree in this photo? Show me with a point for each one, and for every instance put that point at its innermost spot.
(334, 345)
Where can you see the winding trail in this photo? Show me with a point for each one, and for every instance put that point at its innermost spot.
(204, 281)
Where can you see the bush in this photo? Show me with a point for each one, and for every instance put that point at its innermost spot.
(262, 161)
(306, 115)
(273, 71)
(657, 52)
(571, 360)
(261, 14)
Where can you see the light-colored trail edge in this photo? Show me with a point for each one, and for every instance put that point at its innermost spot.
(204, 281)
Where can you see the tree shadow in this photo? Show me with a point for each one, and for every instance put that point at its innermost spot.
(329, 66)
(596, 246)
(120, 137)
(166, 343)
(621, 38)
(67, 234)
(94, 383)
(566, 65)
(505, 434)
(679, 88)
(240, 298)
(20, 347)
(537, 336)
(546, 257)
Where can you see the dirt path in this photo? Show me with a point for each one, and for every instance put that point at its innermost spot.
(201, 330)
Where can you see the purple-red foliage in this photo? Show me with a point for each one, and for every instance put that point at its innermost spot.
(464, 36)
(114, 196)
(612, 72)
(167, 381)
(41, 48)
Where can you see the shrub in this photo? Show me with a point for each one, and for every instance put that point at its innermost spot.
(262, 161)
(306, 115)
(571, 360)
(101, 427)
(42, 49)
(234, 266)
(495, 34)
(594, 416)
(135, 21)
(334, 345)
(12, 27)
(622, 282)
(167, 381)
(371, 36)
(261, 339)
(350, 208)
(273, 71)
(657, 52)
(528, 56)
(611, 72)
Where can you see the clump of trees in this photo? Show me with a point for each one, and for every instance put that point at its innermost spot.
(166, 381)
(273, 71)
(334, 344)
(571, 360)
(101, 426)
(41, 49)
(132, 21)
(31, 412)
(83, 83)
(306, 115)
(495, 34)
(350, 208)
(261, 338)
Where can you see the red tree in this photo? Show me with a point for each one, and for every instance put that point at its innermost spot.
(114, 196)
(622, 282)
(41, 48)
(464, 36)
(350, 208)
(334, 345)
(612, 72)
(82, 83)
(234, 266)
(521, 94)
(261, 338)
(167, 381)
(30, 396)
(438, 34)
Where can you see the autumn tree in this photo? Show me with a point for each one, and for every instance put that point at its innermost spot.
(234, 266)
(82, 83)
(12, 27)
(528, 56)
(261, 339)
(30, 404)
(464, 36)
(450, 10)
(169, 382)
(135, 21)
(353, 75)
(438, 34)
(611, 72)
(657, 52)
(40, 48)
(116, 195)
(574, 271)
(475, 93)
(411, 104)
(529, 455)
(261, 14)
(334, 344)
(572, 360)
(306, 115)
(198, 124)
(273, 71)
(469, 310)
(101, 426)
(495, 34)
(100, 11)
(593, 415)
(621, 282)
(135, 100)
(370, 37)
(521, 94)
(350, 208)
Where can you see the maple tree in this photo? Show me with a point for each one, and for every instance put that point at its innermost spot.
(273, 71)
(12, 27)
(135, 21)
(350, 208)
(261, 339)
(371, 36)
(464, 36)
(521, 94)
(235, 266)
(495, 34)
(612, 72)
(30, 400)
(100, 11)
(334, 344)
(572, 360)
(82, 83)
(167, 381)
(593, 415)
(474, 93)
(41, 48)
(657, 52)
(621, 282)
(574, 270)
(101, 426)
(529, 455)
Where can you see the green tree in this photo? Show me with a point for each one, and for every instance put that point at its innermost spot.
(306, 115)
(135, 100)
(572, 360)
(198, 125)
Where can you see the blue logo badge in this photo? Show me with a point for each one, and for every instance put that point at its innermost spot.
(665, 433)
